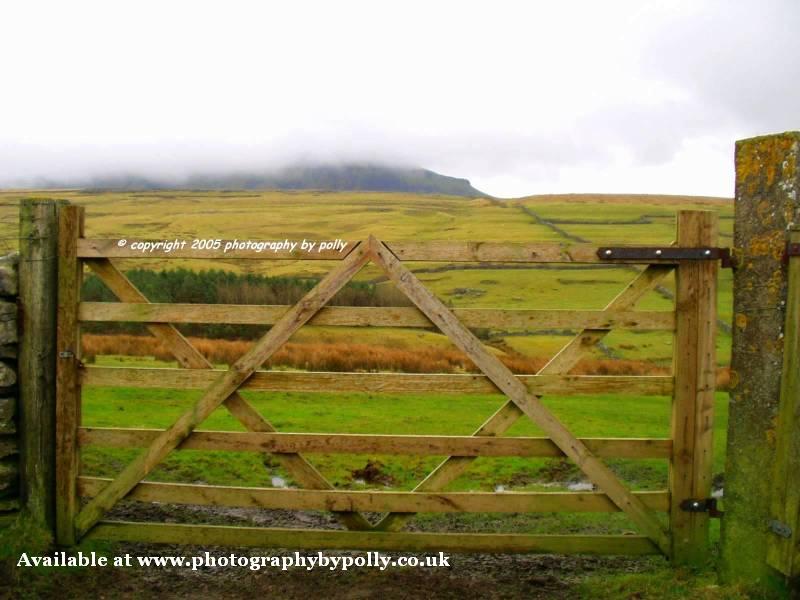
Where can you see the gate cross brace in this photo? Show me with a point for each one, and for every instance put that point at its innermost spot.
(223, 387)
(508, 414)
(597, 471)
(189, 357)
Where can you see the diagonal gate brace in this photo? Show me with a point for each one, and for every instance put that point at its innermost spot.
(454, 466)
(189, 357)
(597, 471)
(225, 385)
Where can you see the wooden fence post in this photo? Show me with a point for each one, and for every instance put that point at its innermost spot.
(38, 232)
(783, 551)
(695, 373)
(767, 204)
(68, 391)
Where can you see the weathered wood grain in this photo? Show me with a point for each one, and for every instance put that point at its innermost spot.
(38, 288)
(695, 374)
(508, 414)
(359, 316)
(434, 251)
(350, 443)
(68, 392)
(597, 471)
(315, 381)
(189, 357)
(783, 553)
(373, 501)
(225, 384)
(312, 539)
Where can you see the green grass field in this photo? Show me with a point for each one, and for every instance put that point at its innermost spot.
(587, 416)
(396, 216)
(432, 414)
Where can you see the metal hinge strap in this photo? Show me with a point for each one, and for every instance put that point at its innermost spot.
(665, 253)
(698, 505)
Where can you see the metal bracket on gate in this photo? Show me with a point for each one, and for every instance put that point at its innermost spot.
(708, 505)
(792, 249)
(666, 254)
(780, 528)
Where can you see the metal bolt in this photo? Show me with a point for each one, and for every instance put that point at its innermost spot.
(608, 252)
(707, 252)
(658, 252)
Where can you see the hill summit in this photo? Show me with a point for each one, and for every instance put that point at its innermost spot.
(345, 177)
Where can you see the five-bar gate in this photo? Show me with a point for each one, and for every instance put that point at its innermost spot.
(668, 521)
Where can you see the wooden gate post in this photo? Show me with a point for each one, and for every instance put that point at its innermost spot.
(783, 548)
(694, 352)
(767, 204)
(68, 391)
(38, 232)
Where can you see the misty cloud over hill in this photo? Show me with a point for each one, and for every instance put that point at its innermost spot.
(352, 177)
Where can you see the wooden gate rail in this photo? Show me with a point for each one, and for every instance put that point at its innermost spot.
(189, 357)
(363, 443)
(352, 316)
(687, 449)
(310, 381)
(548, 252)
(454, 466)
(371, 501)
(313, 539)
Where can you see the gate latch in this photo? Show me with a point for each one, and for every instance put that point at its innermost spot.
(698, 505)
(780, 528)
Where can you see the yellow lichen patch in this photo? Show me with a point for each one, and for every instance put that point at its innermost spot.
(760, 160)
(770, 435)
(741, 320)
(772, 431)
(768, 244)
(733, 380)
(774, 286)
(765, 211)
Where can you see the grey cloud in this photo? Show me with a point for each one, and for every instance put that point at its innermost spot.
(738, 60)
(736, 66)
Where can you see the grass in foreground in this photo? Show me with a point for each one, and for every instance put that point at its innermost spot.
(587, 416)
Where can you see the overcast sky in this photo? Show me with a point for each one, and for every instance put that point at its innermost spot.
(519, 97)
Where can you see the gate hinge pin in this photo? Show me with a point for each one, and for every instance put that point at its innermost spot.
(792, 249)
(698, 505)
(780, 528)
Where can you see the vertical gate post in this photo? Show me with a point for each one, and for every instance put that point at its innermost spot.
(767, 204)
(783, 548)
(694, 368)
(38, 232)
(68, 395)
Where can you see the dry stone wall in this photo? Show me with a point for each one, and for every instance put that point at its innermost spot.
(9, 441)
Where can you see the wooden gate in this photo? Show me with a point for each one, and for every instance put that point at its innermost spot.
(82, 501)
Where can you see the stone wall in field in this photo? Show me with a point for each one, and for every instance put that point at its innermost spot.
(9, 442)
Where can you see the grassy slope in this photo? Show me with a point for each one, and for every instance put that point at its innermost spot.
(354, 215)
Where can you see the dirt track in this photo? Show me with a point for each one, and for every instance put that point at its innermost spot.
(469, 575)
